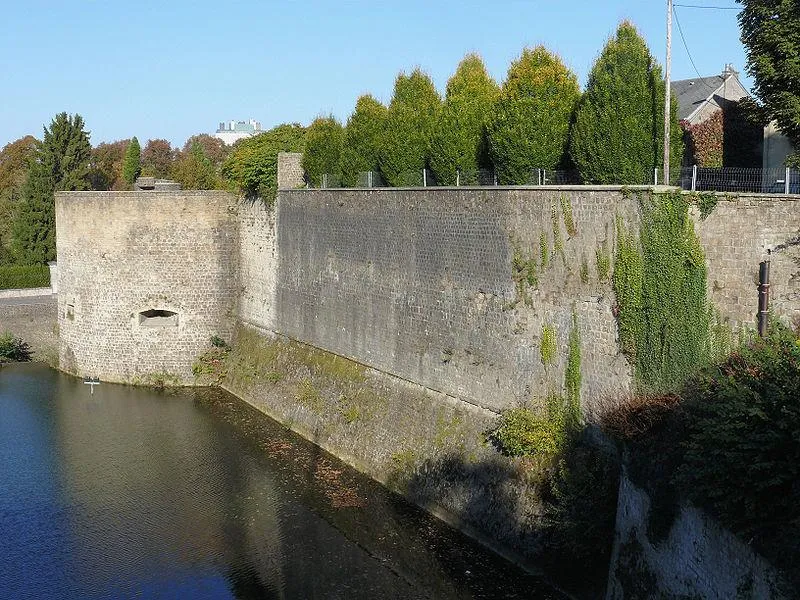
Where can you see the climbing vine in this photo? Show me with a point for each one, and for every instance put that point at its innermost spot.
(548, 349)
(572, 374)
(660, 283)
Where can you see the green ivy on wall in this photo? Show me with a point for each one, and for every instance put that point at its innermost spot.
(660, 283)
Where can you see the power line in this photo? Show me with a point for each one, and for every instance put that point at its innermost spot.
(707, 7)
(686, 47)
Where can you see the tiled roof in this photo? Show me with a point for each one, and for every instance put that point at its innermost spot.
(691, 93)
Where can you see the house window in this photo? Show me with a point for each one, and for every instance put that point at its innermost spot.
(158, 318)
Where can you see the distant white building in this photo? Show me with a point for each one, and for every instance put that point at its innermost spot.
(233, 131)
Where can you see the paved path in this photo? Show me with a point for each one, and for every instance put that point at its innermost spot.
(50, 298)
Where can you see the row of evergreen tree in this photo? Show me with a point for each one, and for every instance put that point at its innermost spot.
(538, 119)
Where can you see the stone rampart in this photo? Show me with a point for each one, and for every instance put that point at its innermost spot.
(145, 279)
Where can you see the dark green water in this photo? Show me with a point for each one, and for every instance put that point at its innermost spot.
(132, 493)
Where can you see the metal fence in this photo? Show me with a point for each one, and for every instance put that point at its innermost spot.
(716, 179)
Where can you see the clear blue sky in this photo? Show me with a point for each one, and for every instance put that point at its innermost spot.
(173, 68)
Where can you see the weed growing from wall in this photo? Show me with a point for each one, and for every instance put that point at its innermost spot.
(524, 431)
(569, 222)
(660, 283)
(572, 374)
(523, 271)
(603, 262)
(548, 348)
(558, 240)
(584, 270)
(544, 249)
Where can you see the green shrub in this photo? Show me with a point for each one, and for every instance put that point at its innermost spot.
(13, 349)
(252, 165)
(548, 348)
(459, 140)
(530, 122)
(24, 276)
(323, 148)
(526, 432)
(410, 123)
(742, 450)
(618, 133)
(362, 140)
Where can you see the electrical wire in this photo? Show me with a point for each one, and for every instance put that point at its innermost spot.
(707, 7)
(686, 47)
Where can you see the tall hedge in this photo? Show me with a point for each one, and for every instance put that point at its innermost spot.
(362, 139)
(323, 148)
(619, 126)
(459, 140)
(529, 127)
(409, 126)
(252, 165)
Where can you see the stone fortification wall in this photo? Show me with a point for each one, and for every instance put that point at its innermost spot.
(145, 279)
(290, 170)
(736, 237)
(433, 286)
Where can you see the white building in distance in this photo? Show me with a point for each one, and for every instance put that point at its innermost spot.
(233, 131)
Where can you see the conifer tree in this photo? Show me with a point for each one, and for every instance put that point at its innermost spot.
(619, 133)
(362, 139)
(61, 164)
(771, 34)
(132, 165)
(323, 148)
(529, 127)
(459, 140)
(410, 122)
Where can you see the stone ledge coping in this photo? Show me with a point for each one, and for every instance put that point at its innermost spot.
(26, 292)
(545, 188)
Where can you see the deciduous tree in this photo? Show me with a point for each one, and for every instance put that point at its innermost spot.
(771, 35)
(459, 140)
(157, 159)
(194, 170)
(252, 165)
(529, 127)
(323, 148)
(105, 165)
(409, 127)
(362, 139)
(15, 159)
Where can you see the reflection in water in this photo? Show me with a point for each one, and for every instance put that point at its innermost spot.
(129, 493)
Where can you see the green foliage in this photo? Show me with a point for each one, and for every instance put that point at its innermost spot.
(581, 509)
(13, 349)
(530, 122)
(742, 449)
(410, 124)
(194, 170)
(252, 165)
(323, 148)
(544, 249)
(24, 276)
(572, 375)
(157, 159)
(526, 432)
(132, 165)
(628, 281)
(558, 240)
(15, 160)
(105, 166)
(210, 368)
(603, 262)
(61, 163)
(618, 133)
(663, 314)
(459, 139)
(362, 139)
(771, 35)
(706, 202)
(584, 270)
(523, 272)
(548, 348)
(569, 220)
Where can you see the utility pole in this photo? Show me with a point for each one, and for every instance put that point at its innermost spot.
(667, 93)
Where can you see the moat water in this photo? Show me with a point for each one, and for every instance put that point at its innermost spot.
(134, 493)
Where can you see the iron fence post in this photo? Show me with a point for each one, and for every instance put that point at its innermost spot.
(694, 178)
(786, 183)
(763, 297)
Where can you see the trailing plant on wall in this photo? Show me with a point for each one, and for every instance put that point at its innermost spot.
(660, 283)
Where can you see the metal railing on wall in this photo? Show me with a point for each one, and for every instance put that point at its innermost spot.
(718, 179)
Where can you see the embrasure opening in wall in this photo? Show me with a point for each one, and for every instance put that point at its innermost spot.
(156, 318)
